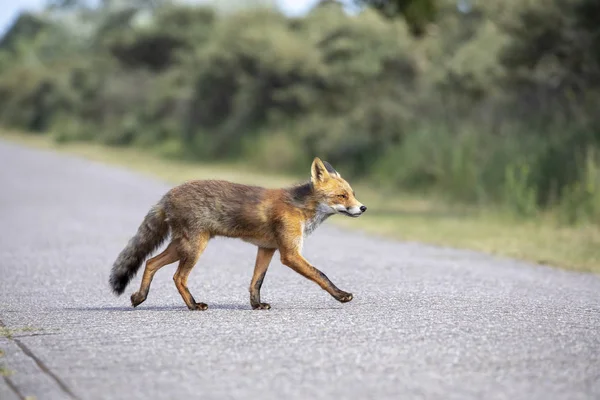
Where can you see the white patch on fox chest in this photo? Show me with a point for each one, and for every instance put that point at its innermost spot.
(300, 241)
(323, 212)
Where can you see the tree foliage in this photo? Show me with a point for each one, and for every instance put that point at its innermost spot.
(492, 102)
(417, 13)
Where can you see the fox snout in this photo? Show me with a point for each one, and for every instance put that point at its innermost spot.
(354, 211)
(357, 211)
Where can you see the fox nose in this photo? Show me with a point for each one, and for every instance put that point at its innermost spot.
(363, 208)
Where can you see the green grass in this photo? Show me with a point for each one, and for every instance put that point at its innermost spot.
(391, 214)
(3, 370)
(9, 333)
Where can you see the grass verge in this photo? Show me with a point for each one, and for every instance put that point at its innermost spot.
(394, 215)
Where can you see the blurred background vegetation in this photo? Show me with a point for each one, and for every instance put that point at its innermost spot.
(479, 102)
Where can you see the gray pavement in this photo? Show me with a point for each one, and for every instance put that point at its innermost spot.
(425, 323)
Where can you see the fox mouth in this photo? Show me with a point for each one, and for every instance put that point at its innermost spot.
(350, 215)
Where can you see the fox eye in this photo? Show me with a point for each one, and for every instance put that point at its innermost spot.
(343, 196)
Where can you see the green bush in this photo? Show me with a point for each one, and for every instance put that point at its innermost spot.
(495, 106)
(521, 197)
(581, 199)
(30, 98)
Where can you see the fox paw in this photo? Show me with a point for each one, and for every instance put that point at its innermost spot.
(261, 306)
(199, 306)
(344, 297)
(137, 298)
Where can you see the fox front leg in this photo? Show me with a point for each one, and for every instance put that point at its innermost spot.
(295, 261)
(263, 259)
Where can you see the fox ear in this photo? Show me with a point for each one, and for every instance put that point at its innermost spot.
(331, 170)
(318, 171)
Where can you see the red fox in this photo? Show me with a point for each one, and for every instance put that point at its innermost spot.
(272, 219)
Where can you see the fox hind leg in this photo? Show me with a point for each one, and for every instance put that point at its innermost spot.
(168, 256)
(191, 253)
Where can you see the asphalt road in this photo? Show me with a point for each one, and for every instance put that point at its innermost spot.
(425, 322)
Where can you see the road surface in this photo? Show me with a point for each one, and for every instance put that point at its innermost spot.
(425, 322)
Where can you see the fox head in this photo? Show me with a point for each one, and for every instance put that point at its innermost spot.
(334, 194)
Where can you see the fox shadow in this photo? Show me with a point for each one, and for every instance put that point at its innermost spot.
(157, 308)
(217, 306)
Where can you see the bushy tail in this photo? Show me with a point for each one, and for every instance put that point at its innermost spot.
(151, 234)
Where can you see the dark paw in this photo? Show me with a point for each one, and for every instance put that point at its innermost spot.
(137, 298)
(199, 307)
(261, 306)
(344, 297)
